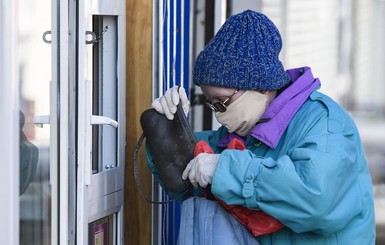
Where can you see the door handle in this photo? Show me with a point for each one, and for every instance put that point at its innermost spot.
(45, 39)
(39, 121)
(97, 120)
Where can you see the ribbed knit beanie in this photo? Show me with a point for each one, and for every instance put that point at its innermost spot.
(243, 55)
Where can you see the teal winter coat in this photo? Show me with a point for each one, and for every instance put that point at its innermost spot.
(316, 181)
(305, 166)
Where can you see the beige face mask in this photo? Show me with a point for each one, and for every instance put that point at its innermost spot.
(242, 115)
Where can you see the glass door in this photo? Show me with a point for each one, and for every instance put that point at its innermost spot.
(43, 150)
(35, 76)
(71, 87)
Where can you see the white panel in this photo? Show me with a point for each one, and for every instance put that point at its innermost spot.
(110, 7)
(62, 75)
(84, 127)
(9, 125)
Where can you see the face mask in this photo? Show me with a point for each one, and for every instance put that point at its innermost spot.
(242, 114)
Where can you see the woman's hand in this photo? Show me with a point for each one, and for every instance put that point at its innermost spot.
(200, 170)
(167, 103)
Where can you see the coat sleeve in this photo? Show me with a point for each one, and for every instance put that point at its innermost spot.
(314, 187)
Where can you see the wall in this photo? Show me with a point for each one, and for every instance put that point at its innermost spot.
(137, 212)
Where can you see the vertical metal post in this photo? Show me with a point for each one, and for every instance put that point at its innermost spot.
(9, 125)
(157, 88)
(63, 120)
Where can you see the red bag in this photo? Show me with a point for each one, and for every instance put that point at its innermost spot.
(256, 221)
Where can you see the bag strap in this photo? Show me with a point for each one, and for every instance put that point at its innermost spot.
(136, 173)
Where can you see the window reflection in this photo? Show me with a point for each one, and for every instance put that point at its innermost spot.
(34, 56)
(29, 155)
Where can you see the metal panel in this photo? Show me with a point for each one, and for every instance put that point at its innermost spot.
(111, 7)
(61, 63)
(72, 94)
(105, 205)
(105, 183)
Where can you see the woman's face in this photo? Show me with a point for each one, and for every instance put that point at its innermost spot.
(220, 94)
(238, 110)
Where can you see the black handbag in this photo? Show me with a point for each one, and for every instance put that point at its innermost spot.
(171, 144)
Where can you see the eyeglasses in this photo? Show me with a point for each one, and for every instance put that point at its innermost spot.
(220, 106)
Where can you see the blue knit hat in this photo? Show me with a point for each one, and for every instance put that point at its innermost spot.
(243, 55)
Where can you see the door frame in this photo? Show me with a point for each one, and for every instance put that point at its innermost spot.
(59, 115)
(9, 128)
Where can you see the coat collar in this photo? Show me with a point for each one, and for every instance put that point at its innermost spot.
(283, 108)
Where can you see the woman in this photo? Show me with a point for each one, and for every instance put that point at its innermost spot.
(304, 164)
